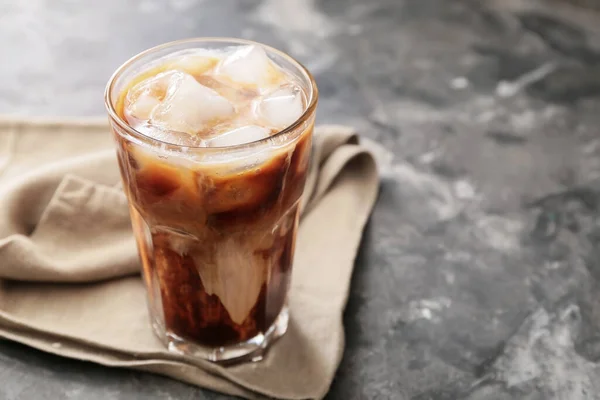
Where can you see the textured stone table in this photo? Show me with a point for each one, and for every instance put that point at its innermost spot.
(479, 272)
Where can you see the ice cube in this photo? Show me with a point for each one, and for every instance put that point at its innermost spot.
(231, 91)
(143, 106)
(195, 64)
(245, 134)
(282, 107)
(168, 136)
(189, 106)
(250, 66)
(146, 95)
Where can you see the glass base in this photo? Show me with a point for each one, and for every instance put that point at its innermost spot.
(252, 349)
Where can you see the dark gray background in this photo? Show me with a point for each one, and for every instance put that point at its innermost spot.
(478, 274)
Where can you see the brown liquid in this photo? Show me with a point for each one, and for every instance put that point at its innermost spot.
(216, 244)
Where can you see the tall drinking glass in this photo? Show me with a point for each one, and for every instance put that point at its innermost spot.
(215, 225)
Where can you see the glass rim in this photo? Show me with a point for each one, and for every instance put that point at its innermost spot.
(114, 116)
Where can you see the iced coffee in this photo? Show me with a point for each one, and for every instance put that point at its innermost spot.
(213, 142)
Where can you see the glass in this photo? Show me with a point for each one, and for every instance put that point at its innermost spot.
(215, 227)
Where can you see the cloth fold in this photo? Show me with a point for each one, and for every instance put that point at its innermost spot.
(69, 271)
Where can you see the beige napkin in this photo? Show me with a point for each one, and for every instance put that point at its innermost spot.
(69, 272)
